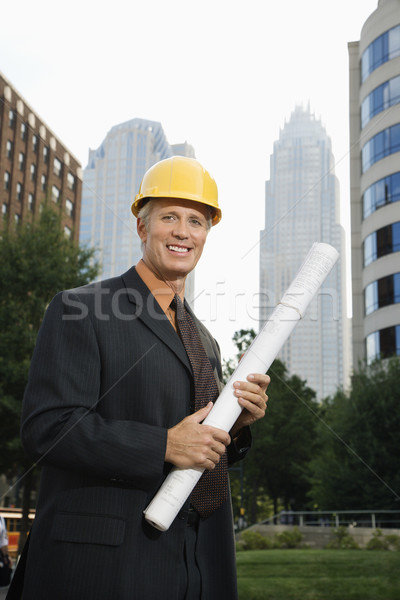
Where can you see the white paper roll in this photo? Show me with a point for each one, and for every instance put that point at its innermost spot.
(178, 485)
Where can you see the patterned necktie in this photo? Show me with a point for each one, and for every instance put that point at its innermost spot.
(212, 488)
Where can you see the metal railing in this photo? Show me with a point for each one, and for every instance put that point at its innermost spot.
(336, 518)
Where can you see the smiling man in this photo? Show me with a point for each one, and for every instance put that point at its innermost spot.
(115, 399)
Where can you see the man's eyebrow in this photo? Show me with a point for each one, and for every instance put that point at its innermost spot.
(172, 211)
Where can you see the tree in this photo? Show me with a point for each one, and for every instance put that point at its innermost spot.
(357, 466)
(242, 339)
(283, 442)
(36, 261)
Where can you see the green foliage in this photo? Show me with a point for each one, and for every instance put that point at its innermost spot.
(356, 465)
(383, 542)
(242, 339)
(253, 540)
(290, 538)
(283, 442)
(342, 540)
(378, 541)
(36, 261)
(394, 541)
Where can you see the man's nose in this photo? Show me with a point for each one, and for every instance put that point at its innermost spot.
(181, 230)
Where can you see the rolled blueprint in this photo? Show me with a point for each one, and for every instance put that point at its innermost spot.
(317, 265)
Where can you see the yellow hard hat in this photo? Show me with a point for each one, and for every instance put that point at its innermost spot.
(179, 177)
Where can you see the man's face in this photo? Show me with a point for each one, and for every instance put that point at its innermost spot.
(175, 237)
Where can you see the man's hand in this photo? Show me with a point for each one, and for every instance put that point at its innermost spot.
(252, 398)
(192, 445)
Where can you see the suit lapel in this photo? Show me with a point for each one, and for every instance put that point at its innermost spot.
(150, 312)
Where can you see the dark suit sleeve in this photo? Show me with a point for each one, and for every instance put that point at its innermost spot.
(61, 425)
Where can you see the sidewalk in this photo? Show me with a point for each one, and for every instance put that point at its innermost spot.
(3, 592)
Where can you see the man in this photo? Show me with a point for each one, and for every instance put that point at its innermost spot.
(110, 406)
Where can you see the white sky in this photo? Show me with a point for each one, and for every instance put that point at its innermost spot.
(222, 74)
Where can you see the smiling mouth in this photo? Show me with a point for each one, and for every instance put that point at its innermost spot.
(180, 249)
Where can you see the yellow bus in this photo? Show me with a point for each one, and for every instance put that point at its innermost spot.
(12, 518)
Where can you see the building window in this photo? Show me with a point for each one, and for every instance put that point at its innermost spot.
(381, 293)
(4, 209)
(71, 181)
(382, 192)
(383, 343)
(11, 118)
(23, 131)
(383, 48)
(381, 242)
(69, 208)
(19, 191)
(17, 218)
(33, 172)
(383, 144)
(55, 194)
(57, 167)
(7, 179)
(43, 182)
(35, 143)
(381, 98)
(67, 231)
(45, 154)
(9, 149)
(21, 160)
(31, 202)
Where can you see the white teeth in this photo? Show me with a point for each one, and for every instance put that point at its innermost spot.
(178, 249)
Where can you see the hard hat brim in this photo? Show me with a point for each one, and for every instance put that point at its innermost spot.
(140, 202)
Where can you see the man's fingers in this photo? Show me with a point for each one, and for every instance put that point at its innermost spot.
(201, 414)
(260, 379)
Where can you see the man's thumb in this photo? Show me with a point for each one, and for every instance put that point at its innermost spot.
(201, 414)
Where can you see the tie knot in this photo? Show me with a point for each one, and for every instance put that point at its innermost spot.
(177, 306)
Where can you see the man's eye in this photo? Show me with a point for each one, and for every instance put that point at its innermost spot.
(168, 217)
(195, 222)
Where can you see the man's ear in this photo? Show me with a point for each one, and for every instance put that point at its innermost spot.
(141, 229)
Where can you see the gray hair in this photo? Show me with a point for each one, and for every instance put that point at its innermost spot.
(145, 212)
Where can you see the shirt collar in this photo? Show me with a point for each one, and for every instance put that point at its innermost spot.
(161, 291)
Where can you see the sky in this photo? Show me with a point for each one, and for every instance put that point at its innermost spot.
(223, 75)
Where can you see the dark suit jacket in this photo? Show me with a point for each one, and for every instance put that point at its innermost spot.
(109, 376)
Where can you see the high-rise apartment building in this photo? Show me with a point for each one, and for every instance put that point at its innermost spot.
(302, 207)
(375, 184)
(34, 165)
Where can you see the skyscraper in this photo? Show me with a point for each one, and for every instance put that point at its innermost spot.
(110, 182)
(375, 184)
(302, 207)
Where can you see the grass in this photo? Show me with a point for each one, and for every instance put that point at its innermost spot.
(318, 575)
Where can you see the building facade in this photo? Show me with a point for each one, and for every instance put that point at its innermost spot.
(35, 166)
(375, 184)
(302, 207)
(110, 182)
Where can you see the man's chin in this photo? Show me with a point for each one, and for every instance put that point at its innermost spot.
(179, 273)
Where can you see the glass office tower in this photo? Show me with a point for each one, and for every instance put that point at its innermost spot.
(375, 184)
(110, 182)
(302, 207)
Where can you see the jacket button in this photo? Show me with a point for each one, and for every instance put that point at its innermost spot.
(182, 515)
